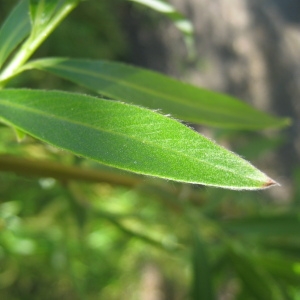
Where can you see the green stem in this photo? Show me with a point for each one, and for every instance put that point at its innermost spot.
(33, 42)
(27, 167)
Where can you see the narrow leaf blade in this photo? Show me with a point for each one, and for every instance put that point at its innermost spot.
(202, 276)
(286, 224)
(255, 279)
(14, 30)
(127, 137)
(156, 91)
(282, 267)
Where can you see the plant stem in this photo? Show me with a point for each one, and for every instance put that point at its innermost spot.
(27, 167)
(33, 42)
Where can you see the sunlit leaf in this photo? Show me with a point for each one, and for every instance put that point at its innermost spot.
(127, 137)
(14, 30)
(156, 91)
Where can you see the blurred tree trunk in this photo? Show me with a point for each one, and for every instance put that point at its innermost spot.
(247, 48)
(151, 283)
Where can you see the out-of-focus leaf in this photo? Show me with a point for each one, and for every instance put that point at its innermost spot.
(156, 91)
(255, 279)
(202, 277)
(127, 137)
(281, 267)
(272, 225)
(137, 235)
(180, 21)
(288, 246)
(296, 179)
(167, 9)
(14, 30)
(258, 146)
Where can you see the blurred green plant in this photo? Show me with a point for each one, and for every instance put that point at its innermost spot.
(61, 238)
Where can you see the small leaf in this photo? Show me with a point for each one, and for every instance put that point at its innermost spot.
(127, 137)
(14, 30)
(156, 91)
(41, 11)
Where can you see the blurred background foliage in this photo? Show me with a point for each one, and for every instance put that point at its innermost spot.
(144, 239)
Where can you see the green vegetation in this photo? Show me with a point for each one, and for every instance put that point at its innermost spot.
(73, 227)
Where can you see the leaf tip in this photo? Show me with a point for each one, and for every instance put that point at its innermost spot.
(269, 183)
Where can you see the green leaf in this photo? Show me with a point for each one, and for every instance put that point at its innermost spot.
(127, 137)
(281, 267)
(202, 277)
(156, 91)
(255, 279)
(271, 225)
(47, 16)
(14, 30)
(41, 11)
(286, 246)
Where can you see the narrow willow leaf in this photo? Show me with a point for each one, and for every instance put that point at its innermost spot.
(255, 279)
(127, 137)
(202, 277)
(156, 91)
(272, 225)
(14, 30)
